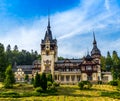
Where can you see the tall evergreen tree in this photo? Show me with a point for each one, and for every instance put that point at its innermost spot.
(43, 81)
(8, 49)
(103, 63)
(9, 54)
(16, 48)
(9, 79)
(109, 62)
(116, 65)
(3, 62)
(37, 80)
(27, 77)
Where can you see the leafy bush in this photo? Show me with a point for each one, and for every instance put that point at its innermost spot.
(39, 89)
(81, 85)
(113, 83)
(49, 78)
(49, 84)
(56, 84)
(84, 85)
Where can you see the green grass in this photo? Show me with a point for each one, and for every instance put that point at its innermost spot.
(1, 85)
(64, 93)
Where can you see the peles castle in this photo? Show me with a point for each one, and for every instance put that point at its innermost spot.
(67, 71)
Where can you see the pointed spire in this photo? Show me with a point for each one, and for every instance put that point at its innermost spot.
(48, 20)
(87, 52)
(94, 41)
(48, 34)
(88, 57)
(95, 50)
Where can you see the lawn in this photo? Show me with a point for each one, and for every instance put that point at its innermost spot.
(1, 85)
(67, 93)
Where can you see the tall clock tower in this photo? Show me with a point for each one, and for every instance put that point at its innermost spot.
(48, 51)
(96, 55)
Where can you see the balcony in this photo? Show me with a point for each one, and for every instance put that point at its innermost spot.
(68, 72)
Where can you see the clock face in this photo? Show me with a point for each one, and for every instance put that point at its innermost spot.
(47, 47)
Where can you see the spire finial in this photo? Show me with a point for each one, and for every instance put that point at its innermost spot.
(87, 51)
(94, 42)
(48, 19)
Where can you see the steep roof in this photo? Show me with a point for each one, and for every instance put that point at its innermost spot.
(69, 60)
(48, 34)
(95, 50)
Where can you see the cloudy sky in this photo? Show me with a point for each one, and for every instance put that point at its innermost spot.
(24, 22)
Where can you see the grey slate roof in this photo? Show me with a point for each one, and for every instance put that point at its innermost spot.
(70, 60)
(27, 69)
(88, 57)
(95, 50)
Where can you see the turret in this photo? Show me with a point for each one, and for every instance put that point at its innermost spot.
(48, 51)
(95, 53)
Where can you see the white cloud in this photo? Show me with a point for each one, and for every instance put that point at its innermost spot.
(72, 28)
(107, 4)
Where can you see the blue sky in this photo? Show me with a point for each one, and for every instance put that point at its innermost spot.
(23, 22)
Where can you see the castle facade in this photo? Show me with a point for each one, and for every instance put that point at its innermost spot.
(69, 70)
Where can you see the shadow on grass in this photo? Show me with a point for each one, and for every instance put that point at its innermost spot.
(70, 91)
(115, 95)
(22, 91)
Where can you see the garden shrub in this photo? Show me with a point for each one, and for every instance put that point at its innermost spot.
(56, 84)
(49, 84)
(113, 83)
(84, 85)
(39, 89)
(81, 85)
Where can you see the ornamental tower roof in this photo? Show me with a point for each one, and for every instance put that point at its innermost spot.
(95, 50)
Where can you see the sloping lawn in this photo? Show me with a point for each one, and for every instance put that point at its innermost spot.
(1, 85)
(66, 93)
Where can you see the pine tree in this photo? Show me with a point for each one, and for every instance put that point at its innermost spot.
(32, 80)
(3, 62)
(116, 65)
(27, 77)
(9, 80)
(103, 63)
(43, 81)
(109, 62)
(37, 80)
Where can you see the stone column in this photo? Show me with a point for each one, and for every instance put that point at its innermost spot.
(70, 79)
(64, 78)
(59, 78)
(75, 78)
